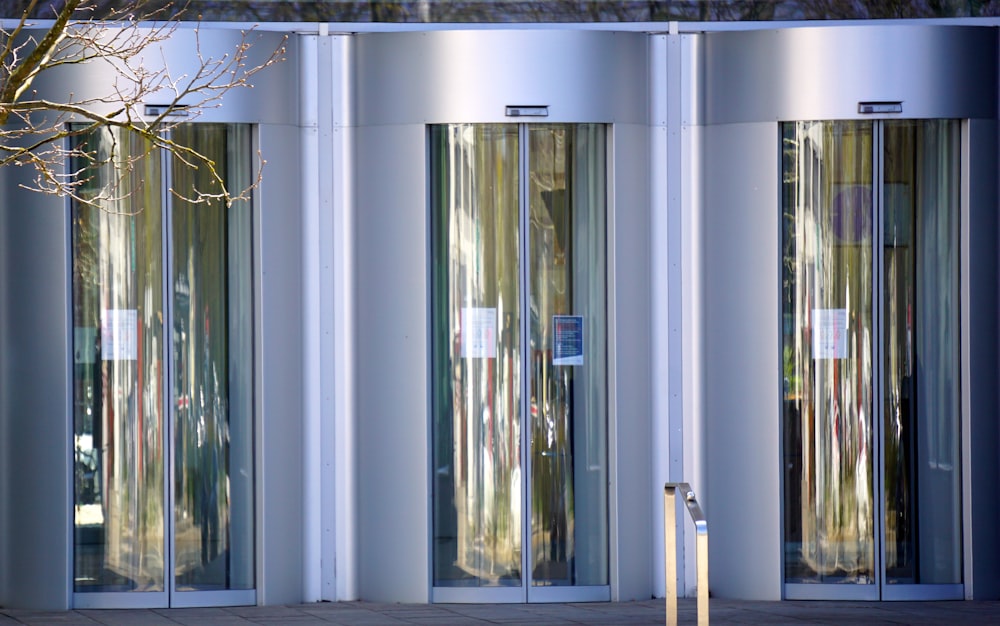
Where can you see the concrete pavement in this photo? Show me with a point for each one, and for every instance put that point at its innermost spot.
(608, 613)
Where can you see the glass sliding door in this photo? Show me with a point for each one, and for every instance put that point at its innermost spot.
(519, 381)
(870, 354)
(210, 271)
(568, 368)
(921, 365)
(162, 376)
(119, 370)
(477, 356)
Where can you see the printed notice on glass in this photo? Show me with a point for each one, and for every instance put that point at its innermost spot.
(829, 333)
(119, 333)
(567, 340)
(479, 333)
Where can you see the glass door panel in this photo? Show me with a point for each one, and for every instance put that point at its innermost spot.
(921, 368)
(871, 362)
(828, 311)
(212, 369)
(566, 195)
(477, 357)
(163, 479)
(118, 386)
(517, 242)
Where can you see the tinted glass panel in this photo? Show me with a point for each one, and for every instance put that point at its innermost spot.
(921, 361)
(566, 196)
(119, 371)
(477, 355)
(827, 288)
(212, 368)
(148, 407)
(872, 383)
(482, 177)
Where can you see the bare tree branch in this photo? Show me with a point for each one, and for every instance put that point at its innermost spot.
(45, 134)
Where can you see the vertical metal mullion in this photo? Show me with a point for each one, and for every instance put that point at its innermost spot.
(524, 222)
(878, 316)
(167, 445)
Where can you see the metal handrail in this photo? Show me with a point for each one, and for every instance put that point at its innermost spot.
(670, 549)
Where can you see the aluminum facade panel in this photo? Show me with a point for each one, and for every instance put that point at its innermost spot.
(273, 98)
(471, 76)
(824, 72)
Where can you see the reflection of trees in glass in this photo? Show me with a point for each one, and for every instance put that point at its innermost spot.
(117, 392)
(551, 254)
(575, 11)
(827, 260)
(120, 394)
(205, 268)
(477, 397)
(478, 405)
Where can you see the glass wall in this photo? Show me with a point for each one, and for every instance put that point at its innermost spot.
(872, 411)
(828, 314)
(568, 393)
(519, 435)
(163, 421)
(921, 400)
(119, 370)
(476, 283)
(212, 368)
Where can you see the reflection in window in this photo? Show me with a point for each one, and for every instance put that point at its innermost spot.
(871, 367)
(499, 376)
(147, 392)
(477, 357)
(540, 11)
(827, 303)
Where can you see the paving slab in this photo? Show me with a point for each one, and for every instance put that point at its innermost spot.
(65, 618)
(647, 612)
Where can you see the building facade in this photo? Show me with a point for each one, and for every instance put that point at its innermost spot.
(497, 284)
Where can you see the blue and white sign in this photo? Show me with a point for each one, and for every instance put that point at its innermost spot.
(567, 340)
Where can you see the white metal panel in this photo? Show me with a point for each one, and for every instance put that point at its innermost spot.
(629, 377)
(687, 325)
(472, 76)
(272, 99)
(324, 157)
(664, 54)
(312, 180)
(279, 366)
(36, 403)
(824, 72)
(742, 407)
(343, 555)
(391, 364)
(338, 220)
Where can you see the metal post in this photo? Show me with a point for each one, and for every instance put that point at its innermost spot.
(670, 549)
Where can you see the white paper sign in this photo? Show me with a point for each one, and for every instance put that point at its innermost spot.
(479, 333)
(119, 334)
(829, 333)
